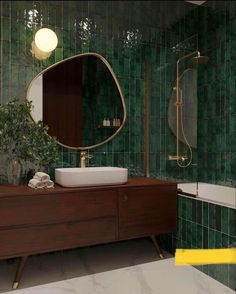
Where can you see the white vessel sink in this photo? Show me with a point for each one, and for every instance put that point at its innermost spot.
(90, 176)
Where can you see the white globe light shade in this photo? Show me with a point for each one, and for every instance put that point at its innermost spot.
(46, 40)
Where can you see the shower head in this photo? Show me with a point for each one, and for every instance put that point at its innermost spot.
(200, 59)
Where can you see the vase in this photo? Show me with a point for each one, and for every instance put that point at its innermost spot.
(14, 171)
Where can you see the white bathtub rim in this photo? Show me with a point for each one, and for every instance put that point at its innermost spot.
(203, 197)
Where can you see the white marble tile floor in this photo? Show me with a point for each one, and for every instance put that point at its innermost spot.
(130, 267)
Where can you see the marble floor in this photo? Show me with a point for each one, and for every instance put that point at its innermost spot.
(130, 267)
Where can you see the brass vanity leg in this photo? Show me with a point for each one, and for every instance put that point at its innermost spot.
(158, 248)
(19, 271)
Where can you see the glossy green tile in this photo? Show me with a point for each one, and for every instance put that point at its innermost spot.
(232, 222)
(205, 214)
(225, 220)
(199, 211)
(232, 276)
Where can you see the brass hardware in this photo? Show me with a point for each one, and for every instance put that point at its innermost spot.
(15, 285)
(175, 157)
(180, 158)
(118, 89)
(83, 156)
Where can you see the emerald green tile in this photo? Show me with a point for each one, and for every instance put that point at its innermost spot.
(184, 208)
(225, 220)
(232, 222)
(218, 239)
(189, 233)
(194, 236)
(205, 238)
(194, 210)
(205, 214)
(232, 276)
(199, 236)
(184, 230)
(222, 273)
(199, 211)
(218, 217)
(212, 238)
(232, 242)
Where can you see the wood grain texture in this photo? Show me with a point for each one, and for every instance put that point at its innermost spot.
(37, 239)
(147, 211)
(57, 208)
(36, 221)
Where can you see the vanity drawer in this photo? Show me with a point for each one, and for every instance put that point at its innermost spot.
(46, 238)
(56, 208)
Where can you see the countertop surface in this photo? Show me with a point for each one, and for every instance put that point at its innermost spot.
(8, 190)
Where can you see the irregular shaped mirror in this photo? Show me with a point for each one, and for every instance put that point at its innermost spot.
(74, 97)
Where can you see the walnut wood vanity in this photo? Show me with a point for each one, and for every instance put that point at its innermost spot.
(44, 220)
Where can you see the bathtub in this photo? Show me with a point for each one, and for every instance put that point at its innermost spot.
(221, 195)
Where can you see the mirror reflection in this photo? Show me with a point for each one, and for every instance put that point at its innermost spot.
(80, 100)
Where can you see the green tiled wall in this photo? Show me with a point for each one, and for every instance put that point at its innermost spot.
(118, 31)
(107, 27)
(205, 225)
(217, 103)
(128, 42)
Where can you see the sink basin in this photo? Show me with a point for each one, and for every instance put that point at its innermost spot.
(90, 176)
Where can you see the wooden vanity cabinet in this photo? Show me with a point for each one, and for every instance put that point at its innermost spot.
(146, 211)
(37, 221)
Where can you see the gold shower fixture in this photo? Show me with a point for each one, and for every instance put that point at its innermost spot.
(183, 160)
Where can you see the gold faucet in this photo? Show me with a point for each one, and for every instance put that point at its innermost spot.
(83, 156)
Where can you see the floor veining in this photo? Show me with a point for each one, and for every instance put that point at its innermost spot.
(129, 267)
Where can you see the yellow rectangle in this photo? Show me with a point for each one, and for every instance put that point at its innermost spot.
(205, 256)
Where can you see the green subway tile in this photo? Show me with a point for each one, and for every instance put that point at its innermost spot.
(212, 216)
(194, 236)
(218, 239)
(205, 269)
(232, 222)
(222, 273)
(212, 238)
(225, 240)
(232, 242)
(199, 236)
(184, 230)
(205, 238)
(180, 200)
(225, 220)
(232, 276)
(199, 211)
(212, 270)
(205, 214)
(188, 209)
(184, 207)
(194, 210)
(218, 218)
(189, 233)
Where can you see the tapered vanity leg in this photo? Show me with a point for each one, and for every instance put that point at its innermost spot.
(158, 248)
(19, 271)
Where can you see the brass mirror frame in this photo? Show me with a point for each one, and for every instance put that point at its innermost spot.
(118, 87)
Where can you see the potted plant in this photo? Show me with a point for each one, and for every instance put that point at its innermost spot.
(23, 140)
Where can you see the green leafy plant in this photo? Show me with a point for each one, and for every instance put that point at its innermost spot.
(23, 139)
